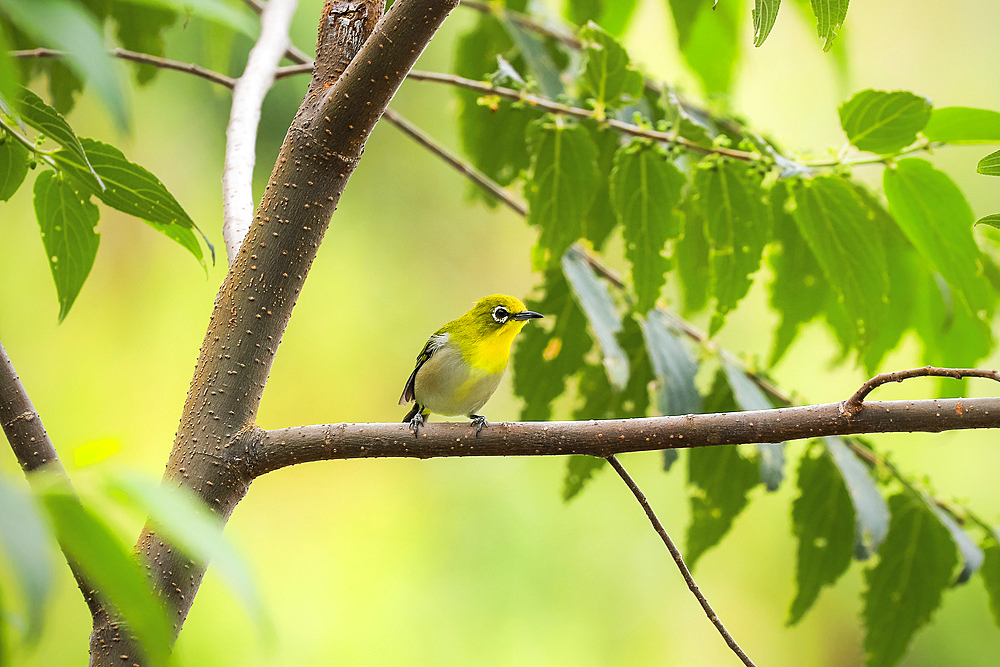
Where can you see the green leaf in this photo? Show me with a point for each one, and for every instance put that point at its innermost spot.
(601, 219)
(540, 63)
(49, 122)
(216, 11)
(607, 79)
(990, 165)
(66, 220)
(13, 167)
(963, 125)
(830, 15)
(972, 555)
(709, 36)
(915, 565)
(645, 191)
(871, 512)
(750, 397)
(603, 402)
(991, 573)
(884, 122)
(24, 544)
(134, 190)
(612, 15)
(934, 215)
(579, 470)
(721, 477)
(823, 520)
(595, 300)
(182, 518)
(546, 358)
(737, 226)
(140, 28)
(68, 27)
(111, 568)
(838, 228)
(764, 13)
(692, 258)
(991, 220)
(561, 185)
(673, 366)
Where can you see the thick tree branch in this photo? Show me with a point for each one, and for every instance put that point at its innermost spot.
(244, 117)
(675, 553)
(278, 448)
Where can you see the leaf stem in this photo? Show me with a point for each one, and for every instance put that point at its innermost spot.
(43, 155)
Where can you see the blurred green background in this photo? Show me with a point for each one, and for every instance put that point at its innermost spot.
(457, 562)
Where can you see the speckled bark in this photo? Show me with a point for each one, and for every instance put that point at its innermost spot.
(319, 154)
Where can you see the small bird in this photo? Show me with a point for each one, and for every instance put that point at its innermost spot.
(461, 365)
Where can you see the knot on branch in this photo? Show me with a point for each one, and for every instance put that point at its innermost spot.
(345, 12)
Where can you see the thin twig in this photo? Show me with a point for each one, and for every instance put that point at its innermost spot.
(244, 118)
(479, 178)
(854, 404)
(678, 559)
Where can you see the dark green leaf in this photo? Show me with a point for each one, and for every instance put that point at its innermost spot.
(607, 79)
(884, 122)
(216, 11)
(545, 359)
(540, 63)
(66, 220)
(601, 219)
(872, 514)
(963, 125)
(721, 477)
(140, 28)
(692, 259)
(830, 15)
(750, 397)
(764, 14)
(709, 37)
(612, 15)
(49, 122)
(916, 563)
(737, 225)
(839, 229)
(13, 167)
(561, 185)
(579, 470)
(66, 26)
(592, 295)
(991, 573)
(600, 400)
(972, 555)
(134, 190)
(110, 566)
(991, 220)
(24, 543)
(673, 366)
(990, 165)
(823, 521)
(933, 213)
(645, 191)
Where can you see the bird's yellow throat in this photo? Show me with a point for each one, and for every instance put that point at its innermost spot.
(490, 353)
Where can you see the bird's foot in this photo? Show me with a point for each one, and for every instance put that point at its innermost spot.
(479, 422)
(415, 423)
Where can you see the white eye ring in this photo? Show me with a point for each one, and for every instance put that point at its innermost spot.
(500, 314)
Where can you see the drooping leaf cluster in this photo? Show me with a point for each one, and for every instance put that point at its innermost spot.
(703, 202)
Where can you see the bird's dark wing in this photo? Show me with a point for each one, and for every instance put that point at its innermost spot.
(433, 343)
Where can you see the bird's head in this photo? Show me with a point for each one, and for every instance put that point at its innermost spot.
(495, 315)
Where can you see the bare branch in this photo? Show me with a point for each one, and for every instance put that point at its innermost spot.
(854, 404)
(675, 553)
(244, 117)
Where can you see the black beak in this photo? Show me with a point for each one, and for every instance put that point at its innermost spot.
(526, 315)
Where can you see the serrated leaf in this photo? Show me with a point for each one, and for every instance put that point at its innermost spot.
(721, 477)
(601, 219)
(13, 167)
(737, 226)
(830, 15)
(958, 125)
(692, 258)
(823, 520)
(884, 122)
(603, 402)
(49, 122)
(990, 165)
(764, 14)
(645, 191)
(560, 187)
(111, 568)
(607, 79)
(66, 220)
(24, 544)
(579, 470)
(990, 572)
(934, 215)
(871, 511)
(972, 555)
(750, 397)
(838, 228)
(546, 358)
(595, 300)
(673, 366)
(916, 564)
(134, 190)
(182, 518)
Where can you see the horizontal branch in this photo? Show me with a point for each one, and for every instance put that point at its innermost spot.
(275, 449)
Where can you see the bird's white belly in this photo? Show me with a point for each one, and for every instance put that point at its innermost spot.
(447, 385)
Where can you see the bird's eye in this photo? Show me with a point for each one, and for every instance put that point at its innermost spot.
(500, 314)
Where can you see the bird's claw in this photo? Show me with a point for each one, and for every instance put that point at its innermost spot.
(416, 423)
(479, 422)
